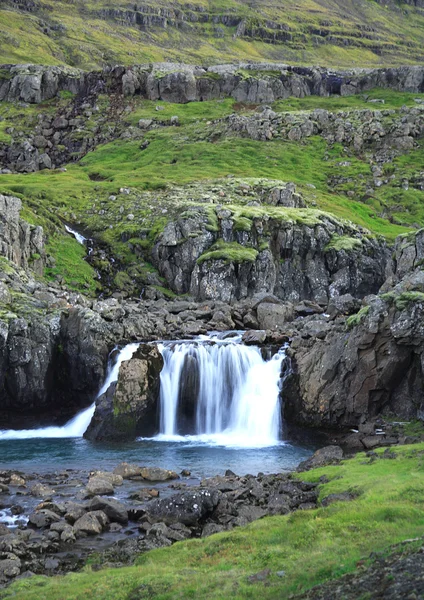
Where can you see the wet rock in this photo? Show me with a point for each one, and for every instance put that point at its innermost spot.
(129, 408)
(115, 510)
(99, 486)
(127, 471)
(40, 490)
(185, 508)
(4, 530)
(114, 478)
(329, 455)
(254, 338)
(92, 523)
(156, 474)
(43, 518)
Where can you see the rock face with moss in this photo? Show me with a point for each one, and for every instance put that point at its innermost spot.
(129, 407)
(20, 242)
(371, 364)
(181, 83)
(234, 252)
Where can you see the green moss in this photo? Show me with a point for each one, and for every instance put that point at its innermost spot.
(343, 242)
(355, 320)
(229, 252)
(70, 265)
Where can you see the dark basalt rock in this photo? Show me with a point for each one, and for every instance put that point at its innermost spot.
(129, 407)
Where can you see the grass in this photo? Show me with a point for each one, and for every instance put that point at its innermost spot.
(195, 154)
(355, 320)
(343, 242)
(70, 265)
(346, 103)
(229, 252)
(310, 546)
(333, 33)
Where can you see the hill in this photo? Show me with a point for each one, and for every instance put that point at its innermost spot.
(90, 34)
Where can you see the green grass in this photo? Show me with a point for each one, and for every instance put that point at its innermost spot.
(70, 264)
(310, 546)
(229, 252)
(355, 320)
(392, 100)
(89, 39)
(343, 242)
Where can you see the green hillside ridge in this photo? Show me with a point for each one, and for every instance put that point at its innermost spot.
(89, 34)
(300, 550)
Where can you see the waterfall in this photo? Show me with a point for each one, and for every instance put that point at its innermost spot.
(220, 391)
(76, 426)
(80, 238)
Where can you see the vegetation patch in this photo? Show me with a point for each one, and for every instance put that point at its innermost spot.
(355, 320)
(229, 252)
(343, 242)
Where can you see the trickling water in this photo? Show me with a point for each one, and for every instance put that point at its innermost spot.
(220, 391)
(76, 426)
(80, 238)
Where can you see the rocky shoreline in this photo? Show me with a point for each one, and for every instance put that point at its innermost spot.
(57, 520)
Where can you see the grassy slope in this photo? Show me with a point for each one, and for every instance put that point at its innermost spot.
(310, 546)
(193, 153)
(330, 32)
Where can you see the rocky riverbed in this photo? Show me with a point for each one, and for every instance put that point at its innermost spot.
(51, 523)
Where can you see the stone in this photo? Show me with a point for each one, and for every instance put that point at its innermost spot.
(43, 518)
(274, 316)
(254, 338)
(129, 408)
(187, 508)
(329, 455)
(42, 491)
(90, 524)
(128, 471)
(115, 510)
(156, 474)
(98, 486)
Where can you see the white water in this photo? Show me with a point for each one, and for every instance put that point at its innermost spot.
(238, 392)
(76, 426)
(234, 401)
(80, 238)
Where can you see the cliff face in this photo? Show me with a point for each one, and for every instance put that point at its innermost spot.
(245, 82)
(230, 253)
(372, 365)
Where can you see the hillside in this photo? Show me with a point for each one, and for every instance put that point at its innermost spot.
(90, 34)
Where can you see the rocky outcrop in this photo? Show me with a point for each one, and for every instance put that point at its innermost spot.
(382, 130)
(129, 408)
(230, 253)
(20, 242)
(245, 82)
(370, 365)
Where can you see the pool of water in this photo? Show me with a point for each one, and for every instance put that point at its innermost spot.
(202, 458)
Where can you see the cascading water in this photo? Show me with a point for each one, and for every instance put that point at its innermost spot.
(76, 426)
(221, 392)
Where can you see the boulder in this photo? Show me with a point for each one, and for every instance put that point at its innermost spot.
(43, 518)
(127, 471)
(329, 455)
(115, 510)
(98, 486)
(187, 508)
(156, 474)
(92, 523)
(129, 408)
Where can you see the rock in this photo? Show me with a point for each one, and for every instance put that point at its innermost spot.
(114, 478)
(97, 486)
(90, 523)
(43, 518)
(254, 338)
(74, 512)
(4, 530)
(156, 474)
(144, 494)
(211, 528)
(16, 479)
(329, 455)
(10, 567)
(187, 508)
(127, 471)
(274, 316)
(42, 491)
(116, 511)
(130, 408)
